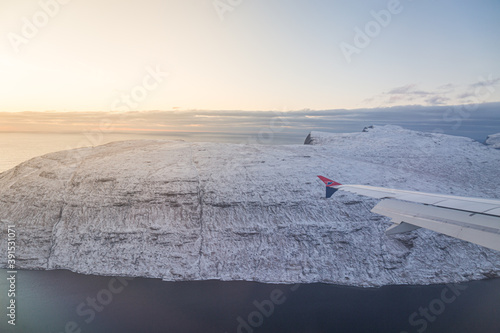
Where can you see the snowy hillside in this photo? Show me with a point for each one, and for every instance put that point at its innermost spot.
(196, 211)
(493, 141)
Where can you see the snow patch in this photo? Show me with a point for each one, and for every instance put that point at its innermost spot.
(493, 141)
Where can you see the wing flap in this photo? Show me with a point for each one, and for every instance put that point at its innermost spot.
(470, 206)
(477, 228)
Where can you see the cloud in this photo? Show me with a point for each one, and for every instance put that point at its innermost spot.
(447, 86)
(471, 90)
(437, 100)
(443, 94)
(465, 95)
(238, 126)
(485, 83)
(409, 89)
(408, 94)
(402, 90)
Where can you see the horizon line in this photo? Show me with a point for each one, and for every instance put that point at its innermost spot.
(261, 110)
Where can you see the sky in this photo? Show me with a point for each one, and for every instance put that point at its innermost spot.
(132, 55)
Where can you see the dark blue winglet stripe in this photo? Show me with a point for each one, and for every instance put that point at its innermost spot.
(330, 191)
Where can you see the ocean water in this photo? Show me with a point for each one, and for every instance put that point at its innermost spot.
(61, 301)
(16, 148)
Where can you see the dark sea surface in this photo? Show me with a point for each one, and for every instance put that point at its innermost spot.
(62, 301)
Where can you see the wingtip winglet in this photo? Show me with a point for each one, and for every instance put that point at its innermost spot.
(331, 186)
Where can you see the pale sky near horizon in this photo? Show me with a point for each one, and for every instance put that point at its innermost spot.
(264, 55)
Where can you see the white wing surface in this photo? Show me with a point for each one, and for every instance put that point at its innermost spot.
(476, 220)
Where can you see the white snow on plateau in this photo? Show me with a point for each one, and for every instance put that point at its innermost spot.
(197, 211)
(493, 140)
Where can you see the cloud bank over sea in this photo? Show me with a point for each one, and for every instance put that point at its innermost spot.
(269, 127)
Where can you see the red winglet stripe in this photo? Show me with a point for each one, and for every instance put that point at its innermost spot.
(328, 182)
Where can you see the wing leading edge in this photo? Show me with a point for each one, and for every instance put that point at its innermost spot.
(475, 220)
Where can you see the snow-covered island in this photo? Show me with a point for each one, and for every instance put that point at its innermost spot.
(197, 211)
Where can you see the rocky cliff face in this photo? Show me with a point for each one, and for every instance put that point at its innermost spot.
(196, 211)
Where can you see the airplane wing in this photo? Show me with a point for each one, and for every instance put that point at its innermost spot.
(475, 220)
